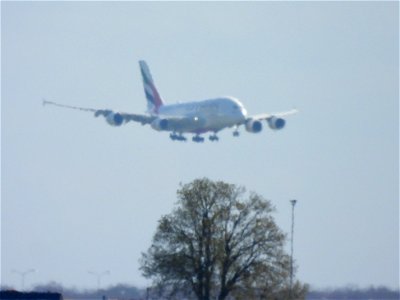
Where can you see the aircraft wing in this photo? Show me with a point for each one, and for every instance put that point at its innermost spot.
(112, 117)
(268, 116)
(275, 121)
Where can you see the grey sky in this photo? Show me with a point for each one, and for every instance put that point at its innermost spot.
(79, 195)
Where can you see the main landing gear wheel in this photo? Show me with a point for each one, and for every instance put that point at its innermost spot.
(177, 137)
(198, 139)
(213, 138)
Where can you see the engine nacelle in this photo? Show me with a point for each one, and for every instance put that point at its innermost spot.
(276, 123)
(253, 126)
(159, 124)
(114, 119)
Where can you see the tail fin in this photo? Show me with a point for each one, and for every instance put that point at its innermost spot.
(154, 100)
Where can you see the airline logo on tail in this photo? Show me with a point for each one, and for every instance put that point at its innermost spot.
(154, 100)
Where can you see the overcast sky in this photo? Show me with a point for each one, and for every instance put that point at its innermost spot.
(80, 195)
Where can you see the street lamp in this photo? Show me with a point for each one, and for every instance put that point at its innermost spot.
(23, 274)
(98, 276)
(293, 202)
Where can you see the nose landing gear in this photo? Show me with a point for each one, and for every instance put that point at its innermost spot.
(236, 132)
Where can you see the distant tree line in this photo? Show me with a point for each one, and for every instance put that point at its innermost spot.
(119, 291)
(355, 293)
(129, 292)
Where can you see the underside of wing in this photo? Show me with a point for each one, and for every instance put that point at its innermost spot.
(267, 116)
(141, 118)
(275, 121)
(112, 117)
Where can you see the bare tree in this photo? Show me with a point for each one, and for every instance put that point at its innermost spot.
(218, 241)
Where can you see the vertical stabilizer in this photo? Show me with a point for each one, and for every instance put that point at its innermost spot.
(154, 100)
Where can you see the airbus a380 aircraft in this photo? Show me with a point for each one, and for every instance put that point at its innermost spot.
(196, 118)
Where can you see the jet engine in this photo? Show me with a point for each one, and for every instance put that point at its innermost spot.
(253, 126)
(159, 124)
(276, 123)
(114, 119)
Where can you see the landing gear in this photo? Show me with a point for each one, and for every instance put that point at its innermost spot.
(236, 132)
(213, 138)
(177, 137)
(197, 139)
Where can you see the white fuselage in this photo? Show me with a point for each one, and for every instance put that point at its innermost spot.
(213, 114)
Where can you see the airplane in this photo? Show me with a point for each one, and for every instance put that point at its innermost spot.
(197, 117)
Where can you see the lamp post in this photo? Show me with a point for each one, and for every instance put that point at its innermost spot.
(23, 274)
(98, 276)
(293, 202)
